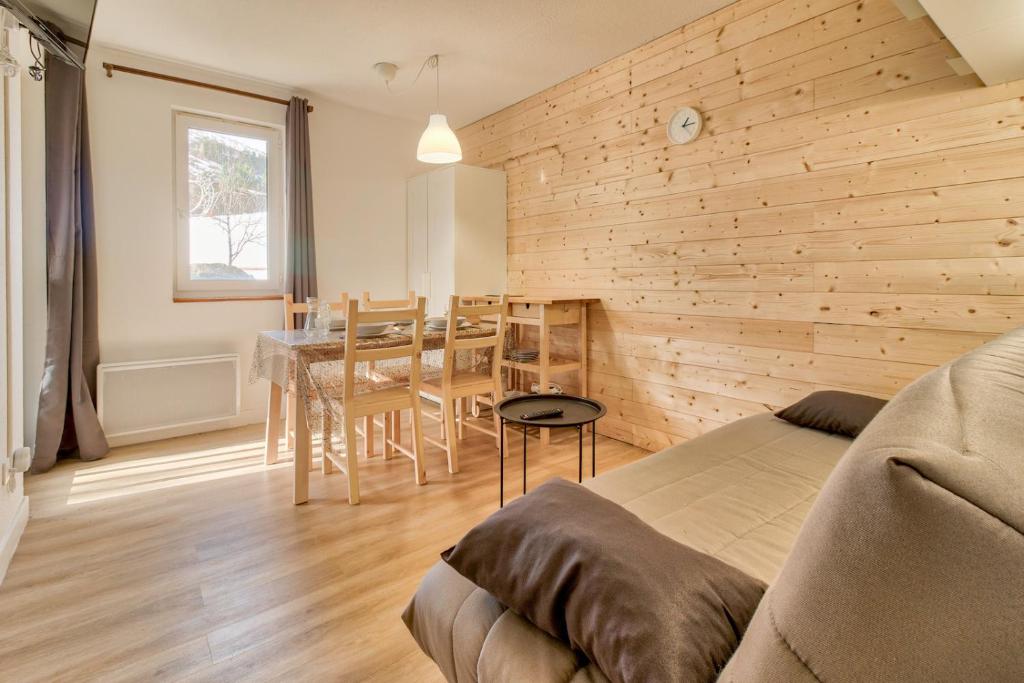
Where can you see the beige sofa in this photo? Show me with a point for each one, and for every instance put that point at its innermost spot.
(883, 582)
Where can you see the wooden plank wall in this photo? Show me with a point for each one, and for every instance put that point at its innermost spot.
(849, 218)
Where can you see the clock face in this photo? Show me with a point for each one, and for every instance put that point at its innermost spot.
(684, 126)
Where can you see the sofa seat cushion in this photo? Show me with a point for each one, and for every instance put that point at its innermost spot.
(738, 493)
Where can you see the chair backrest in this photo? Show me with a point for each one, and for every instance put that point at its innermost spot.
(413, 351)
(496, 342)
(369, 304)
(291, 308)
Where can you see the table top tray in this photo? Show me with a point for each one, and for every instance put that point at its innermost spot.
(577, 410)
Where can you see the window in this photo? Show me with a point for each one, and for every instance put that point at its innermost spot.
(229, 203)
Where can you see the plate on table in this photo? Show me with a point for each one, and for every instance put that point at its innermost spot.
(337, 324)
(366, 330)
(441, 323)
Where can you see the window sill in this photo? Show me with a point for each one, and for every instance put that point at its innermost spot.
(178, 299)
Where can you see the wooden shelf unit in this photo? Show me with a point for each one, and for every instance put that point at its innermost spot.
(544, 314)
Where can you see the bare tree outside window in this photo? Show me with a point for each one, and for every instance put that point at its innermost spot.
(227, 179)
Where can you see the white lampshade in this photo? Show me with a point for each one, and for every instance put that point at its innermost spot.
(438, 144)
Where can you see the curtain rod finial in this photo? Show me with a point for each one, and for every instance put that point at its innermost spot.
(109, 68)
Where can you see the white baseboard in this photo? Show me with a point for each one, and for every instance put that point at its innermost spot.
(11, 536)
(245, 417)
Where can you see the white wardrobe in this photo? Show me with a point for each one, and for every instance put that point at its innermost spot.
(456, 221)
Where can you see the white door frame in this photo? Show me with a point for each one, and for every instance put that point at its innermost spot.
(13, 503)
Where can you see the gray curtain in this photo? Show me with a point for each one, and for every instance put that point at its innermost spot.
(67, 422)
(300, 265)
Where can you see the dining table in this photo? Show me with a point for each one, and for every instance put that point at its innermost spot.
(283, 357)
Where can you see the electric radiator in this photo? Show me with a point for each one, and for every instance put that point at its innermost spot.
(134, 398)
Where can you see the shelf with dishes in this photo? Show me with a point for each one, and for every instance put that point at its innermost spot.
(555, 365)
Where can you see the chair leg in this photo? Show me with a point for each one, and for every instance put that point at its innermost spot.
(326, 466)
(460, 404)
(389, 430)
(289, 422)
(417, 442)
(351, 460)
(396, 427)
(496, 397)
(368, 436)
(450, 440)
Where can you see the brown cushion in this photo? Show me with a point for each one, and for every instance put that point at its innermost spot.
(836, 412)
(640, 605)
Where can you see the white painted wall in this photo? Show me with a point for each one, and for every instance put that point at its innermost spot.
(360, 162)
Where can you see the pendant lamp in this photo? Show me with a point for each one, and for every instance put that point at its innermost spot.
(438, 144)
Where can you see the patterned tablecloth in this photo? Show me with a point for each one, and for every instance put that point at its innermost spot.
(313, 366)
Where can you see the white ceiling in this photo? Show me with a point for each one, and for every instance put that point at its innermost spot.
(987, 34)
(493, 52)
(73, 16)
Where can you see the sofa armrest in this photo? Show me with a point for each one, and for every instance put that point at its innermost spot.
(472, 637)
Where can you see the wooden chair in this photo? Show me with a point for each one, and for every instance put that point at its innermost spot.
(348, 405)
(370, 304)
(290, 309)
(455, 385)
(390, 423)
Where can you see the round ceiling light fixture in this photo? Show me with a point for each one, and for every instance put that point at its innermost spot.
(438, 144)
(386, 70)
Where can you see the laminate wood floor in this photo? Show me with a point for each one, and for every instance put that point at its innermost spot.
(184, 559)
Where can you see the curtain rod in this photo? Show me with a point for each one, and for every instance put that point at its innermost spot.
(111, 68)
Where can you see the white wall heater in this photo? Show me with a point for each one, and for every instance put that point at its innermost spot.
(135, 398)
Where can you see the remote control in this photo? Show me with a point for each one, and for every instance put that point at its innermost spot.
(541, 414)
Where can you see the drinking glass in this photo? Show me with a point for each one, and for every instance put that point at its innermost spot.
(312, 309)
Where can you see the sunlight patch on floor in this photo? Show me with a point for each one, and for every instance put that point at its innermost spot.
(167, 471)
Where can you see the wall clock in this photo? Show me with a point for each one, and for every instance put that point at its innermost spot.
(684, 126)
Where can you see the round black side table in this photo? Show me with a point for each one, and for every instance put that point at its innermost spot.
(576, 412)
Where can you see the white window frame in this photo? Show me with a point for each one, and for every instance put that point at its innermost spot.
(184, 286)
